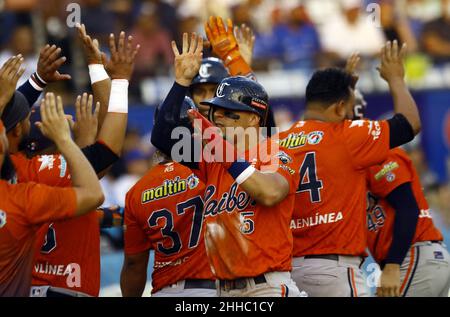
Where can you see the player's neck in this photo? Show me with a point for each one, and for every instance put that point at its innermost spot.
(318, 114)
(315, 115)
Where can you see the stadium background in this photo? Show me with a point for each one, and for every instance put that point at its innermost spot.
(292, 39)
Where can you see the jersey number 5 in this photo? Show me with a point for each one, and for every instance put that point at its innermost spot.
(168, 232)
(308, 178)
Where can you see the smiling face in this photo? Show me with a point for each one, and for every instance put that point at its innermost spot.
(224, 118)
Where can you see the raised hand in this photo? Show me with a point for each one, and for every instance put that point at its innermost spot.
(54, 124)
(352, 63)
(222, 39)
(49, 62)
(392, 57)
(187, 63)
(91, 46)
(86, 122)
(10, 73)
(123, 53)
(246, 42)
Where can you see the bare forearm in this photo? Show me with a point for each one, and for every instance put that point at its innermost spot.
(84, 179)
(267, 189)
(404, 103)
(132, 282)
(101, 91)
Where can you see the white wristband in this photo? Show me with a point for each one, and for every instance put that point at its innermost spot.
(34, 85)
(245, 175)
(40, 78)
(97, 73)
(118, 99)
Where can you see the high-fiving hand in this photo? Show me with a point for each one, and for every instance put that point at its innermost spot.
(123, 53)
(187, 63)
(392, 57)
(10, 73)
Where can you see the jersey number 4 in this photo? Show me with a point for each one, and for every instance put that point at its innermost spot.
(168, 232)
(308, 178)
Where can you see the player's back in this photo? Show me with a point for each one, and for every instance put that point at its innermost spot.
(164, 212)
(330, 201)
(382, 179)
(22, 210)
(67, 253)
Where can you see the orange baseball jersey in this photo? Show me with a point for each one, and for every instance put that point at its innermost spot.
(164, 212)
(329, 208)
(244, 238)
(382, 179)
(67, 254)
(23, 208)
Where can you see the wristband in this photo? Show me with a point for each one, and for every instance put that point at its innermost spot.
(97, 73)
(118, 99)
(240, 171)
(39, 78)
(36, 83)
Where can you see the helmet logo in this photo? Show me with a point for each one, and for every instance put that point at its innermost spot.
(204, 70)
(220, 90)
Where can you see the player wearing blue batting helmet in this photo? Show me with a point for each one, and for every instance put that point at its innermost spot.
(237, 94)
(212, 72)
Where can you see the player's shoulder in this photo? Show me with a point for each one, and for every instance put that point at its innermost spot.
(162, 182)
(397, 161)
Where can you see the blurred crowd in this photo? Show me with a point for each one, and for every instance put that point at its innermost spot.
(290, 35)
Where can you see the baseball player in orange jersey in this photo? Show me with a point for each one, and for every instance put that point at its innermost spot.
(82, 257)
(242, 204)
(164, 212)
(24, 207)
(402, 236)
(398, 217)
(329, 226)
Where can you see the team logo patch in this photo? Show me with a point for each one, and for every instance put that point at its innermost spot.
(315, 137)
(438, 255)
(390, 177)
(192, 181)
(387, 169)
(296, 140)
(2, 218)
(170, 187)
(47, 162)
(284, 158)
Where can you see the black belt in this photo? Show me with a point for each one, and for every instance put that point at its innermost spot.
(241, 283)
(333, 257)
(51, 293)
(208, 284)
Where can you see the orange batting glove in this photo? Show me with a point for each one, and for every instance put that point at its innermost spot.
(225, 46)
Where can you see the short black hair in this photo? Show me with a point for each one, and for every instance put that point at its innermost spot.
(329, 85)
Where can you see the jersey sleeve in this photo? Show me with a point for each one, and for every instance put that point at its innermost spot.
(43, 203)
(367, 142)
(393, 172)
(136, 241)
(281, 160)
(51, 170)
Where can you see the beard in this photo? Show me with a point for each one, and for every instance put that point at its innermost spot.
(8, 171)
